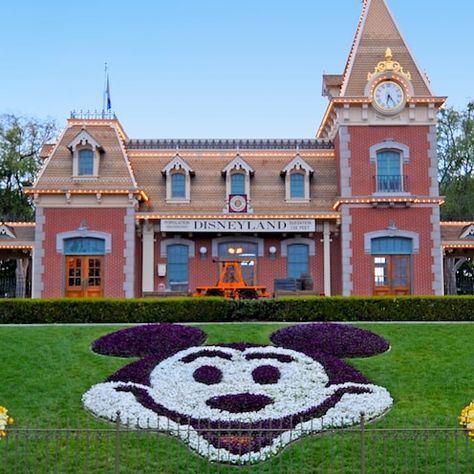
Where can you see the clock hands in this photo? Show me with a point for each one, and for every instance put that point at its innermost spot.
(389, 97)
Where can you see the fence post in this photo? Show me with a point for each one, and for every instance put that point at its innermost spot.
(117, 444)
(362, 443)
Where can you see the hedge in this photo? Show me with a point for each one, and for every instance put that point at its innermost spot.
(291, 309)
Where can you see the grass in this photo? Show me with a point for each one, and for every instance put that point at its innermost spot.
(45, 370)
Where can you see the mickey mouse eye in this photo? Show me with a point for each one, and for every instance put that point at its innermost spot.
(207, 374)
(266, 374)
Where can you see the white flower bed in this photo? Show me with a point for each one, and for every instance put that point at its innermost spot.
(302, 386)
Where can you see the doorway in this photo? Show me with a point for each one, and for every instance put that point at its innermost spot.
(84, 276)
(392, 275)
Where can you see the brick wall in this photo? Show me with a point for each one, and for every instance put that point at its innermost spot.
(204, 272)
(364, 171)
(65, 220)
(411, 219)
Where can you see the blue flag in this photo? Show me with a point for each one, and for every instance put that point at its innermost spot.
(107, 94)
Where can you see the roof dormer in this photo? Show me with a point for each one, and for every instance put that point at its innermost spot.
(297, 174)
(85, 155)
(237, 175)
(7, 232)
(178, 175)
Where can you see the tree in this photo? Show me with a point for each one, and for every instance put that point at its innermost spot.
(456, 176)
(456, 162)
(21, 140)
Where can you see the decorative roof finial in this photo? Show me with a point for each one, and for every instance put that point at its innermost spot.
(389, 65)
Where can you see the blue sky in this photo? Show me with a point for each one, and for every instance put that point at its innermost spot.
(210, 68)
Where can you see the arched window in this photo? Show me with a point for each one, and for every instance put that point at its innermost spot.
(86, 162)
(178, 175)
(178, 267)
(237, 183)
(297, 186)
(84, 246)
(178, 186)
(389, 172)
(298, 260)
(246, 253)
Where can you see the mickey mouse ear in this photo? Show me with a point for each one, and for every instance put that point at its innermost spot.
(150, 339)
(339, 340)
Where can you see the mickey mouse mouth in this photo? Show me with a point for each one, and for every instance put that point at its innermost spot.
(239, 402)
(242, 437)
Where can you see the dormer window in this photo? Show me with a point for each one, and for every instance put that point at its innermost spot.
(297, 185)
(178, 175)
(86, 162)
(85, 155)
(237, 185)
(297, 176)
(178, 186)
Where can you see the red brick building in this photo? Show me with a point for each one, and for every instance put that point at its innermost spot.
(354, 211)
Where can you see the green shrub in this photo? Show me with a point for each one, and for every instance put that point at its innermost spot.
(185, 309)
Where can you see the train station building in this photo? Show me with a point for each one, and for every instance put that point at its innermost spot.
(353, 211)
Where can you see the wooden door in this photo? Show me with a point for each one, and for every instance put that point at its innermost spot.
(392, 275)
(84, 277)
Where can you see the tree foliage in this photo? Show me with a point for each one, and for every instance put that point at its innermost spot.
(21, 140)
(456, 162)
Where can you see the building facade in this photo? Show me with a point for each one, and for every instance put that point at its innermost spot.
(354, 211)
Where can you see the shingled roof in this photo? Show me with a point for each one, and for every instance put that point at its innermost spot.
(377, 31)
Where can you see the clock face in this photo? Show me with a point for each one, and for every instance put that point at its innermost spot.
(388, 96)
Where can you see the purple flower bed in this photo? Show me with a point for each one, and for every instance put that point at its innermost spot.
(239, 403)
(150, 339)
(339, 340)
(265, 390)
(266, 374)
(206, 353)
(207, 374)
(230, 437)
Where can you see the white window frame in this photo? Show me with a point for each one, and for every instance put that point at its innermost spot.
(237, 165)
(85, 141)
(297, 166)
(178, 165)
(404, 152)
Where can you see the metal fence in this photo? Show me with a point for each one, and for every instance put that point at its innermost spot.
(113, 448)
(7, 287)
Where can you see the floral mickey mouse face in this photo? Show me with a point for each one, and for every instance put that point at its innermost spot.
(221, 383)
(215, 392)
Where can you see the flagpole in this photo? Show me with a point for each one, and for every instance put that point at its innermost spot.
(104, 98)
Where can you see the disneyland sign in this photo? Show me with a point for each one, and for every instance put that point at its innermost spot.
(237, 225)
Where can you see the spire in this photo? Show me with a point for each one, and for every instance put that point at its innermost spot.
(376, 33)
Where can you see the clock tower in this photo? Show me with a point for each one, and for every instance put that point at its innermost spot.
(382, 117)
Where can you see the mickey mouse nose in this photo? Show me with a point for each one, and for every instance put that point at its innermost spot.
(239, 402)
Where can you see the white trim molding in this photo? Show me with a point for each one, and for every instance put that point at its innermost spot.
(405, 234)
(390, 145)
(85, 141)
(297, 166)
(180, 166)
(237, 166)
(164, 244)
(309, 242)
(236, 238)
(83, 233)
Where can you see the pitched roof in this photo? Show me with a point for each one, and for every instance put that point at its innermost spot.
(208, 189)
(377, 31)
(114, 168)
(457, 233)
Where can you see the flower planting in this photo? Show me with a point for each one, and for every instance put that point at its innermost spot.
(239, 402)
(466, 419)
(5, 420)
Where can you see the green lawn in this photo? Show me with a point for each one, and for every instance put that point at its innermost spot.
(45, 370)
